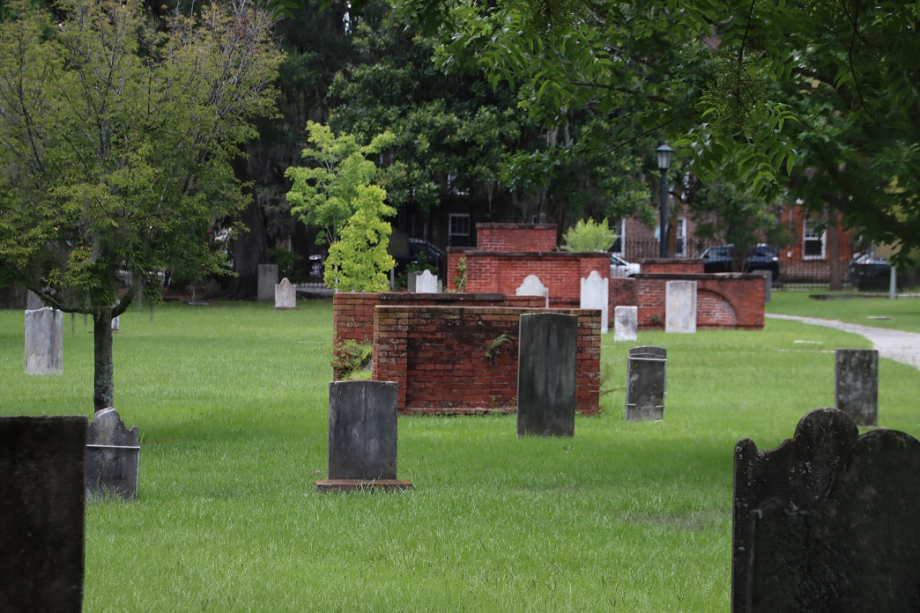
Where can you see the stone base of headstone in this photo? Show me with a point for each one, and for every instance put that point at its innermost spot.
(856, 384)
(546, 374)
(42, 513)
(352, 485)
(646, 383)
(112, 457)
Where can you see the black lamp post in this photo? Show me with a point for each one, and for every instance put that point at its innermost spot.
(664, 162)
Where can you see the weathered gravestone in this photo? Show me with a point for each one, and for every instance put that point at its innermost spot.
(42, 510)
(362, 436)
(767, 284)
(594, 292)
(532, 286)
(828, 521)
(680, 307)
(856, 384)
(412, 280)
(44, 342)
(268, 279)
(625, 323)
(33, 302)
(116, 324)
(646, 383)
(426, 283)
(112, 457)
(546, 374)
(285, 295)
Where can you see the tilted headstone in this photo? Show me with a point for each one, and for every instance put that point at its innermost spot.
(44, 342)
(112, 457)
(285, 295)
(626, 323)
(268, 279)
(646, 383)
(767, 284)
(827, 522)
(362, 435)
(42, 511)
(594, 292)
(426, 283)
(33, 302)
(532, 286)
(856, 384)
(546, 374)
(680, 307)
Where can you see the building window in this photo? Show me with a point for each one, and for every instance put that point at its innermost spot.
(458, 230)
(813, 240)
(680, 249)
(618, 226)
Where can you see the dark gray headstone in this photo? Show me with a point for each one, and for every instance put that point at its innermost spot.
(33, 302)
(268, 278)
(42, 510)
(546, 374)
(112, 457)
(646, 383)
(856, 387)
(828, 521)
(768, 284)
(362, 429)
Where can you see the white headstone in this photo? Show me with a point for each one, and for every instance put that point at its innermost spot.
(594, 292)
(44, 342)
(532, 286)
(680, 307)
(626, 323)
(426, 283)
(268, 279)
(116, 324)
(768, 284)
(285, 295)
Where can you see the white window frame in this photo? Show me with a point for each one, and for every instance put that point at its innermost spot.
(809, 235)
(450, 224)
(621, 236)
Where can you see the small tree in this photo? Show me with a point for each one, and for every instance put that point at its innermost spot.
(115, 149)
(588, 235)
(337, 194)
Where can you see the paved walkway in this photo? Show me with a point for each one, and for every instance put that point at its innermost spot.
(896, 345)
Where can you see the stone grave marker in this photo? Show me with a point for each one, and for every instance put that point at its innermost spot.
(362, 436)
(33, 302)
(594, 292)
(546, 374)
(42, 513)
(680, 307)
(626, 323)
(426, 283)
(116, 324)
(646, 383)
(856, 384)
(828, 521)
(532, 286)
(112, 457)
(767, 284)
(411, 280)
(285, 295)
(268, 279)
(44, 342)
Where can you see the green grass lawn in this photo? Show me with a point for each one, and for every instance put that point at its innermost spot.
(231, 403)
(904, 313)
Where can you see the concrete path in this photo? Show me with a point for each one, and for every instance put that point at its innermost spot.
(895, 345)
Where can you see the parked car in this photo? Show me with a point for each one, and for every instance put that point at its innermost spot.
(868, 272)
(761, 257)
(620, 268)
(422, 252)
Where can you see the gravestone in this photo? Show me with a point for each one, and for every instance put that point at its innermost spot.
(412, 280)
(362, 436)
(33, 302)
(680, 307)
(44, 342)
(594, 292)
(532, 286)
(116, 324)
(856, 384)
(112, 456)
(827, 521)
(426, 283)
(646, 383)
(42, 511)
(285, 295)
(546, 374)
(767, 284)
(626, 323)
(268, 279)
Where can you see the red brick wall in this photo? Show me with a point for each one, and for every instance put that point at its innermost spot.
(674, 266)
(437, 355)
(560, 271)
(353, 313)
(515, 237)
(722, 301)
(622, 293)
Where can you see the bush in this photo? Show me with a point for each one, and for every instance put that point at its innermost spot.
(588, 235)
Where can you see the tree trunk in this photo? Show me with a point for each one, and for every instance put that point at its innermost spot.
(103, 371)
(832, 250)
